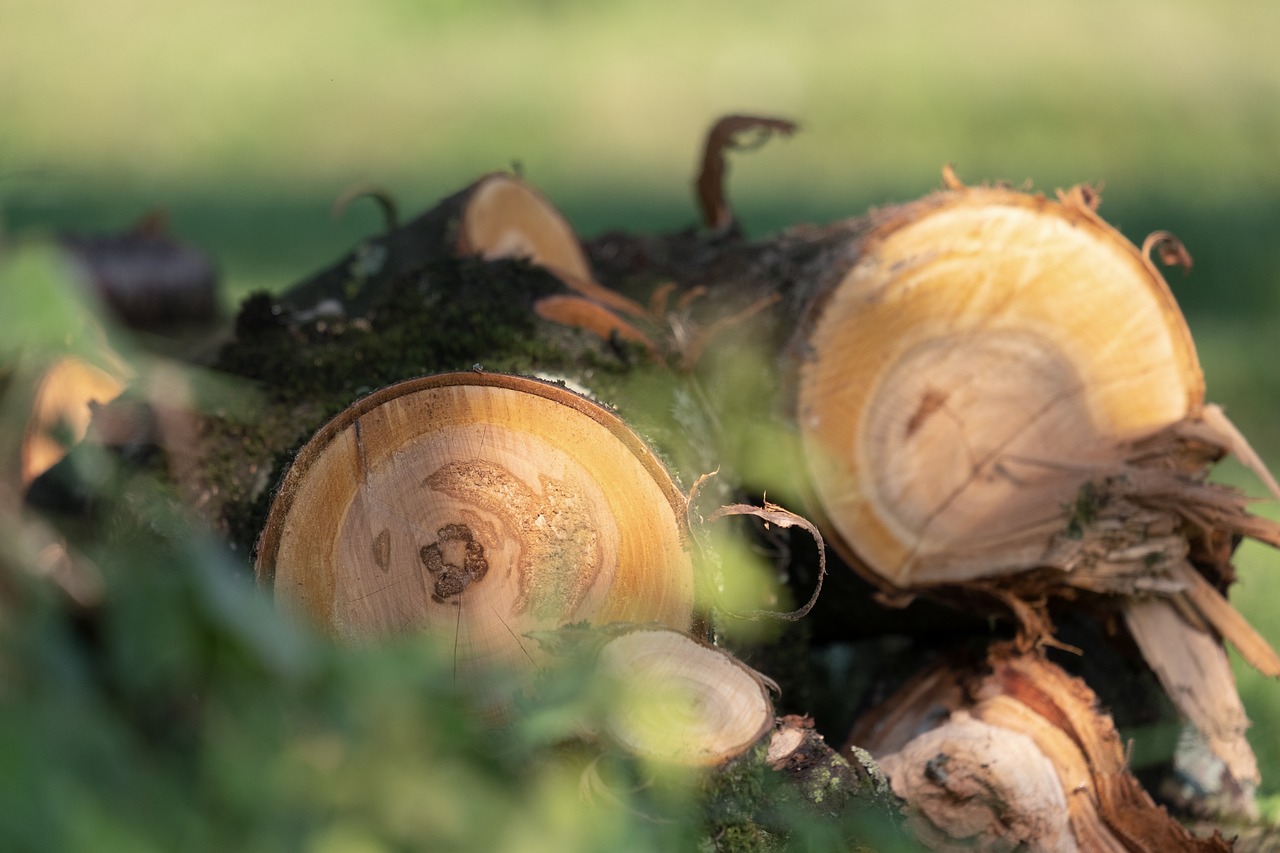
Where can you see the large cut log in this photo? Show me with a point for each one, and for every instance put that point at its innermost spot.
(679, 701)
(477, 508)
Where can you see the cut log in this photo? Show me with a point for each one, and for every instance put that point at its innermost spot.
(679, 701)
(505, 217)
(477, 507)
(1014, 754)
(147, 278)
(1001, 395)
(988, 354)
(497, 217)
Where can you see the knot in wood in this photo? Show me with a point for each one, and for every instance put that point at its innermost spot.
(454, 561)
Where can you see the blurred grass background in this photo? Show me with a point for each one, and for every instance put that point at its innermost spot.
(247, 119)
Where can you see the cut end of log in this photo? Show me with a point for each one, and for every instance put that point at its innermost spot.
(988, 353)
(477, 508)
(680, 701)
(505, 217)
(62, 409)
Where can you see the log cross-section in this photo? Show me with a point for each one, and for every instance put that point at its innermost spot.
(477, 507)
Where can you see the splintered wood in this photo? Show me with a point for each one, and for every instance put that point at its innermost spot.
(1013, 754)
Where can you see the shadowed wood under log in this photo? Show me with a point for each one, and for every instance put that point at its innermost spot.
(1012, 753)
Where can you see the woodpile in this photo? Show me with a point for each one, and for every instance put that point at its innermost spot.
(986, 398)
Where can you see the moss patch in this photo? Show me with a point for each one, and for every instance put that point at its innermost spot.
(306, 367)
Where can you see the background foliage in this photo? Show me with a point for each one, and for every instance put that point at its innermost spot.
(246, 119)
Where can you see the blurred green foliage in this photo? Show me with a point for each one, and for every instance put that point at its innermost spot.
(247, 119)
(152, 698)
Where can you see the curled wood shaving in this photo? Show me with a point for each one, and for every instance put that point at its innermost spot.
(599, 293)
(582, 313)
(687, 298)
(660, 297)
(773, 514)
(1035, 628)
(390, 214)
(1168, 248)
(716, 212)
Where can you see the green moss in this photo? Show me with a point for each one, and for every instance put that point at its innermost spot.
(745, 838)
(453, 314)
(733, 800)
(1084, 510)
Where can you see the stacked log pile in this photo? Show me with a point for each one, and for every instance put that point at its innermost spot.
(985, 398)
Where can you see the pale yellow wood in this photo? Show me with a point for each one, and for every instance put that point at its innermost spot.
(478, 508)
(506, 218)
(1075, 776)
(61, 410)
(988, 353)
(1010, 751)
(680, 701)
